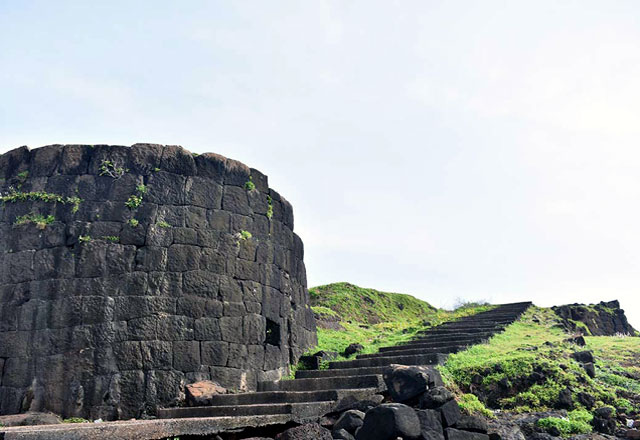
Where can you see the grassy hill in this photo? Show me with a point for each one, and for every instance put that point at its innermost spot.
(374, 318)
(525, 369)
(529, 365)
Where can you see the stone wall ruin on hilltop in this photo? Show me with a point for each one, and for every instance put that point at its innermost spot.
(130, 271)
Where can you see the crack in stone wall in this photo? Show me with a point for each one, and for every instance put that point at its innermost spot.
(108, 307)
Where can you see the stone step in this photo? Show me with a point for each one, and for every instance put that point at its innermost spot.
(304, 409)
(433, 344)
(408, 347)
(328, 383)
(342, 373)
(468, 330)
(422, 359)
(447, 338)
(427, 340)
(277, 397)
(146, 429)
(415, 351)
(476, 324)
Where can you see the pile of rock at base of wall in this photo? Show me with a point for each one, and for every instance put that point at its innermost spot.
(128, 272)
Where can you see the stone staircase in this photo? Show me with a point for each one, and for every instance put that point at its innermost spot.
(314, 393)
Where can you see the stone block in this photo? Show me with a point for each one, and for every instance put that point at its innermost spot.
(186, 355)
(215, 353)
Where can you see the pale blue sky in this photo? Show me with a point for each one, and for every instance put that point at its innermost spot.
(460, 149)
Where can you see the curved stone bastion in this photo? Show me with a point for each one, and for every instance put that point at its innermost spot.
(128, 272)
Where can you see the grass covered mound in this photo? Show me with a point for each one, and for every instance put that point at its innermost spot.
(530, 367)
(374, 318)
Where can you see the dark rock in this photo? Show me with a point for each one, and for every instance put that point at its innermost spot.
(504, 383)
(587, 400)
(583, 356)
(309, 431)
(535, 378)
(565, 399)
(350, 421)
(389, 421)
(364, 405)
(472, 423)
(353, 349)
(578, 340)
(450, 412)
(435, 398)
(431, 434)
(430, 419)
(604, 421)
(406, 382)
(342, 434)
(455, 434)
(590, 369)
(603, 319)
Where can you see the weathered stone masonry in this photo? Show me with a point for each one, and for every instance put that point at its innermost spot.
(130, 271)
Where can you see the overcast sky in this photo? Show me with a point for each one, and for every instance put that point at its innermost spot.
(463, 149)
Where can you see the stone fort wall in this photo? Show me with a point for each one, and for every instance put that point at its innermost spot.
(127, 272)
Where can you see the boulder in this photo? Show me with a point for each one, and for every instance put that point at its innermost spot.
(200, 393)
(583, 356)
(349, 421)
(353, 349)
(431, 434)
(450, 412)
(406, 382)
(435, 398)
(472, 423)
(308, 431)
(590, 369)
(456, 434)
(430, 419)
(342, 434)
(565, 399)
(633, 433)
(352, 402)
(578, 340)
(388, 422)
(587, 400)
(604, 420)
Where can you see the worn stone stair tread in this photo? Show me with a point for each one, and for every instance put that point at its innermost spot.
(301, 409)
(447, 338)
(459, 341)
(422, 359)
(252, 398)
(142, 429)
(417, 351)
(327, 383)
(343, 373)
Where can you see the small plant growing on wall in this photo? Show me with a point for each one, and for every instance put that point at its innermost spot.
(242, 236)
(249, 185)
(111, 169)
(40, 221)
(22, 177)
(269, 207)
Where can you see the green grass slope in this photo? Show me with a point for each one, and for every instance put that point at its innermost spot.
(374, 318)
(526, 367)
